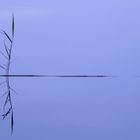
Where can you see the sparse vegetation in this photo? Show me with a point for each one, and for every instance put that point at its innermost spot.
(8, 106)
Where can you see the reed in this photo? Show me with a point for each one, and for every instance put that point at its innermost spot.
(8, 106)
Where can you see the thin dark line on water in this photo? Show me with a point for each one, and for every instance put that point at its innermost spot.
(61, 76)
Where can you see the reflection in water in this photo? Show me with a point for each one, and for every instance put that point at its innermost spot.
(8, 106)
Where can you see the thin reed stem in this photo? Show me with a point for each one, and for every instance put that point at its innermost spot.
(8, 106)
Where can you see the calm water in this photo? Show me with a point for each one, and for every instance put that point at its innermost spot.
(75, 108)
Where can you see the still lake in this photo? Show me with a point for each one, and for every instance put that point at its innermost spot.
(75, 108)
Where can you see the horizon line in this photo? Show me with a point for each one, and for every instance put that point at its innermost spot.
(63, 76)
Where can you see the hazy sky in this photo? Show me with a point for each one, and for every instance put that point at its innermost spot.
(75, 37)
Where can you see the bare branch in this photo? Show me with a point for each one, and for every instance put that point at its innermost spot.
(13, 90)
(3, 54)
(2, 67)
(7, 36)
(6, 101)
(8, 112)
(6, 48)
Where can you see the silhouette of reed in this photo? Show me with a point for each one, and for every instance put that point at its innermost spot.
(8, 106)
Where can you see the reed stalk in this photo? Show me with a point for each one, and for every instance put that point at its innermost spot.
(8, 106)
